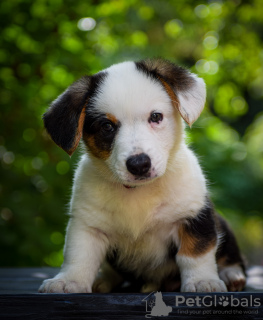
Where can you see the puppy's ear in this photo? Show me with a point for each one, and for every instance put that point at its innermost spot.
(65, 117)
(186, 90)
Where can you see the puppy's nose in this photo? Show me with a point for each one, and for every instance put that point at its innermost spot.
(138, 164)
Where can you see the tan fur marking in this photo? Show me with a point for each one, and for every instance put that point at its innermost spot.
(112, 118)
(78, 133)
(190, 246)
(90, 142)
(174, 99)
(222, 261)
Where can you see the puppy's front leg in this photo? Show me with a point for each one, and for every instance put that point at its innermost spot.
(85, 248)
(196, 255)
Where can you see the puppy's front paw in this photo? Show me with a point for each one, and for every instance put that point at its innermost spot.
(204, 286)
(62, 284)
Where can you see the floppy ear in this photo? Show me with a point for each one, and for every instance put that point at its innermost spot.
(65, 117)
(186, 90)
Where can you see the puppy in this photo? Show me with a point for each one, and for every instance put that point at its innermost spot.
(140, 205)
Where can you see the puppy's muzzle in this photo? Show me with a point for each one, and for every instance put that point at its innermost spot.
(139, 164)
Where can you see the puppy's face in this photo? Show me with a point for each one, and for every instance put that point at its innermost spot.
(129, 116)
(134, 114)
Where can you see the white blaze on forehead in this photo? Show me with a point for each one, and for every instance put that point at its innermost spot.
(129, 93)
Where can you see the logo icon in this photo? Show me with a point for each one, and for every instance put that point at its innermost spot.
(157, 306)
(223, 301)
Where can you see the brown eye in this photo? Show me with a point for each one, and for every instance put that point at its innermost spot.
(156, 117)
(107, 127)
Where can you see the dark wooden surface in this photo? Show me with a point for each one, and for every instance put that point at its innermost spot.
(116, 306)
(19, 300)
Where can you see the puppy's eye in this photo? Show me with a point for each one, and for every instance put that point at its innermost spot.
(107, 127)
(156, 117)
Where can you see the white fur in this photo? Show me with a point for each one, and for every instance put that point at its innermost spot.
(192, 101)
(200, 274)
(81, 261)
(140, 222)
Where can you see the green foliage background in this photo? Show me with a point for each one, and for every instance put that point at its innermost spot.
(43, 50)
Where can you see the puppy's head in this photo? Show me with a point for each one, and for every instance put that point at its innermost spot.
(129, 116)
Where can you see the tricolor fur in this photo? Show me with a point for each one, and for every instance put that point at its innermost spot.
(140, 204)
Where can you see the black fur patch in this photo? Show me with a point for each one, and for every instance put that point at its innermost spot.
(172, 251)
(199, 233)
(62, 118)
(96, 138)
(228, 251)
(177, 77)
(95, 82)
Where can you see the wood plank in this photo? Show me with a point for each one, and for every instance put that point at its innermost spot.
(24, 280)
(125, 306)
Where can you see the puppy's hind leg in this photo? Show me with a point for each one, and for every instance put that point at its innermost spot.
(233, 276)
(107, 279)
(229, 260)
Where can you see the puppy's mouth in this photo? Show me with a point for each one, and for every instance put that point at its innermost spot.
(138, 181)
(129, 187)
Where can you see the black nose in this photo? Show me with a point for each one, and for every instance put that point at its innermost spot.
(139, 164)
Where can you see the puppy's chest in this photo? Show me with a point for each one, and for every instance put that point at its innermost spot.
(148, 251)
(144, 211)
